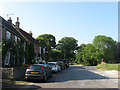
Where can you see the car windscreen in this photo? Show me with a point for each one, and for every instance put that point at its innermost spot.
(35, 67)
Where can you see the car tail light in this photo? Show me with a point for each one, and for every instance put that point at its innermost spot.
(42, 67)
(55, 65)
(29, 67)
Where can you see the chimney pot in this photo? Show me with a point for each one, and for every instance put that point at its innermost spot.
(30, 33)
(17, 23)
(17, 19)
(10, 21)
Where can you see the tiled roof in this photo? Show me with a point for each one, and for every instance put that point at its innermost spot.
(19, 32)
(28, 37)
(9, 27)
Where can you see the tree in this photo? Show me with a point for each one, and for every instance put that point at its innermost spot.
(86, 55)
(47, 40)
(54, 55)
(80, 53)
(106, 48)
(67, 45)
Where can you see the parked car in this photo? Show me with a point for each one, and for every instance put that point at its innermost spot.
(66, 62)
(38, 71)
(62, 65)
(55, 66)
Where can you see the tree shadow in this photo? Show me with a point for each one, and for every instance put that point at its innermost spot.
(77, 73)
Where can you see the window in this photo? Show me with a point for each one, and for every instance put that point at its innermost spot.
(16, 39)
(40, 50)
(8, 35)
(43, 50)
(7, 59)
(24, 46)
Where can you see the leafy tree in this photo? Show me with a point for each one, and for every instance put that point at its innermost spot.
(47, 40)
(80, 53)
(67, 45)
(54, 55)
(106, 48)
(86, 55)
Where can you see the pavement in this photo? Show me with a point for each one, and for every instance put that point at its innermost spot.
(77, 77)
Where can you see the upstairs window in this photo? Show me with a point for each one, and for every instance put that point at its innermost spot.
(8, 34)
(16, 39)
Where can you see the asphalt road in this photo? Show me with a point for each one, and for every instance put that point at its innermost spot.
(77, 77)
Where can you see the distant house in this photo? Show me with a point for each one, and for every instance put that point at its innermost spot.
(10, 33)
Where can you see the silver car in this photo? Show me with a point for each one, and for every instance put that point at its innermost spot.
(55, 66)
(38, 71)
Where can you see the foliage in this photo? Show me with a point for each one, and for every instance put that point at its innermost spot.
(67, 45)
(15, 49)
(54, 55)
(47, 40)
(106, 48)
(30, 52)
(86, 55)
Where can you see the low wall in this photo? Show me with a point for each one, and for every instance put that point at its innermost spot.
(19, 72)
(13, 72)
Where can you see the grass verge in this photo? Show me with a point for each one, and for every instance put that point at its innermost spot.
(108, 67)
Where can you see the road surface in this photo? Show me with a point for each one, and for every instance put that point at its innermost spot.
(78, 77)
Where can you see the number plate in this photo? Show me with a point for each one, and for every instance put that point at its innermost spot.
(34, 72)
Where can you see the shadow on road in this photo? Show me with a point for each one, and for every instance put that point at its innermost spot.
(21, 87)
(77, 73)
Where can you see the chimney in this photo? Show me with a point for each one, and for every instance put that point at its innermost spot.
(30, 33)
(10, 21)
(17, 23)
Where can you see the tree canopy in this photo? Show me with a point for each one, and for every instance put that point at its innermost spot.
(47, 40)
(106, 47)
(67, 45)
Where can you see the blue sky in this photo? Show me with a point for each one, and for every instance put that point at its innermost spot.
(81, 20)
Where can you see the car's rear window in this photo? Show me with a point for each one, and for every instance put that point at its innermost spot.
(35, 67)
(51, 64)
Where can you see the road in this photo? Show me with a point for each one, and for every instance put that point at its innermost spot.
(78, 77)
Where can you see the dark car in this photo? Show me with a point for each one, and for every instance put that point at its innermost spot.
(38, 71)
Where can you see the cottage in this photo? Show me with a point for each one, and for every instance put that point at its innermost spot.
(9, 33)
(28, 37)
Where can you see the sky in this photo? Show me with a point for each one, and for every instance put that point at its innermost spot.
(81, 20)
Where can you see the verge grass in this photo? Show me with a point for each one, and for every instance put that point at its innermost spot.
(108, 67)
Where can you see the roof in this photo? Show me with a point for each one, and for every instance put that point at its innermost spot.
(9, 27)
(28, 37)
